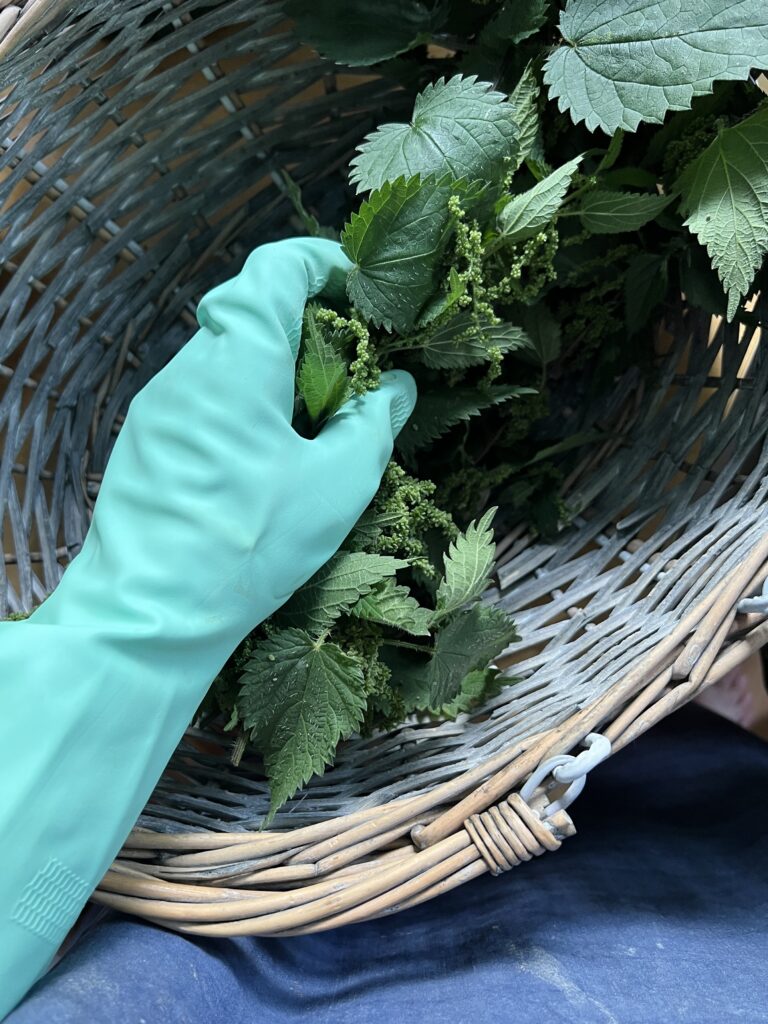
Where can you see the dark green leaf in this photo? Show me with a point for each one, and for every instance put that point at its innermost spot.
(468, 566)
(645, 286)
(322, 378)
(362, 31)
(341, 582)
(477, 687)
(608, 213)
(543, 333)
(392, 605)
(468, 641)
(298, 698)
(436, 413)
(516, 21)
(461, 342)
(396, 242)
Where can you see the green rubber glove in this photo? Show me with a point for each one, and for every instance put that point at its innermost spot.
(212, 511)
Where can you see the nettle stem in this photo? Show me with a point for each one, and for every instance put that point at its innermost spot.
(421, 648)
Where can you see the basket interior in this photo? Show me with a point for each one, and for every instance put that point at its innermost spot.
(141, 151)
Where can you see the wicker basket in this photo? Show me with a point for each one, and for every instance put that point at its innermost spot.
(141, 146)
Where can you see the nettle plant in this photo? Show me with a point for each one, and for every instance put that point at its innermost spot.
(562, 176)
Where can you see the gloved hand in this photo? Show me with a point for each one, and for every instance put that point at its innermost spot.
(212, 511)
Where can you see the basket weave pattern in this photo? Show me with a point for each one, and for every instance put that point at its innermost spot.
(141, 146)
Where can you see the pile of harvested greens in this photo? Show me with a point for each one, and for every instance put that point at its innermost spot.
(563, 175)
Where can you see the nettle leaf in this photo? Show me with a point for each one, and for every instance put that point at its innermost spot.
(468, 641)
(460, 342)
(435, 414)
(341, 582)
(322, 379)
(299, 697)
(543, 334)
(460, 126)
(524, 101)
(725, 195)
(362, 31)
(516, 21)
(626, 62)
(393, 605)
(477, 687)
(468, 566)
(645, 286)
(396, 241)
(608, 213)
(527, 213)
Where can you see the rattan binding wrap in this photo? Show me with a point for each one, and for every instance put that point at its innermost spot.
(140, 151)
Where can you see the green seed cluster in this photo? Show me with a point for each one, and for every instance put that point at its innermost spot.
(528, 266)
(347, 332)
(405, 505)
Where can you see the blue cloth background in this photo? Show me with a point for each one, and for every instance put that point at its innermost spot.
(655, 913)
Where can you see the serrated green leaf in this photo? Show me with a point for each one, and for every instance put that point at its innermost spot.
(608, 213)
(363, 31)
(298, 698)
(516, 21)
(436, 413)
(468, 566)
(460, 342)
(725, 195)
(477, 687)
(322, 379)
(460, 126)
(645, 286)
(543, 334)
(527, 213)
(626, 62)
(524, 101)
(393, 605)
(396, 242)
(341, 582)
(468, 641)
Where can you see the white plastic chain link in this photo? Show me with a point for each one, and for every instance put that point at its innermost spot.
(568, 768)
(757, 604)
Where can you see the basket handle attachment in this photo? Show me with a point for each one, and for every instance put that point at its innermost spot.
(568, 768)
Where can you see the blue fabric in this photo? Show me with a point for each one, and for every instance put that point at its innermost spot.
(656, 912)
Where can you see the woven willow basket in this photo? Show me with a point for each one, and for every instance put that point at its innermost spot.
(141, 145)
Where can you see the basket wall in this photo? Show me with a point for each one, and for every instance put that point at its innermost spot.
(140, 155)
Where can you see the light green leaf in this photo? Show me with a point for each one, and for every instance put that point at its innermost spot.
(298, 698)
(725, 194)
(526, 214)
(460, 342)
(436, 413)
(362, 31)
(460, 126)
(608, 213)
(396, 242)
(468, 641)
(322, 378)
(627, 61)
(341, 582)
(468, 566)
(392, 605)
(525, 110)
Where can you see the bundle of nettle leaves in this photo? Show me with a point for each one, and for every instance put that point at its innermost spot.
(513, 256)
